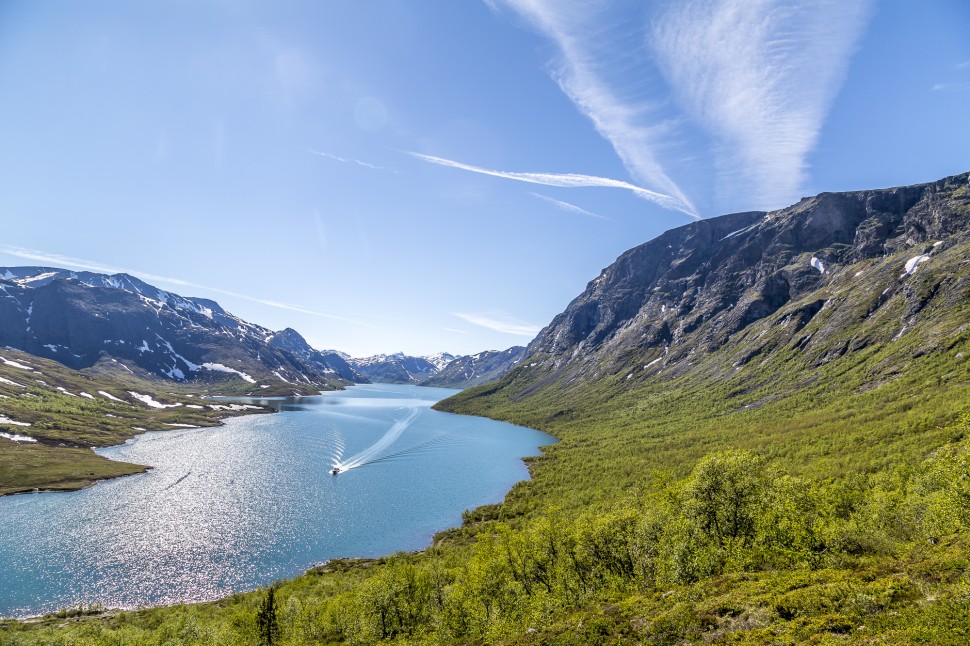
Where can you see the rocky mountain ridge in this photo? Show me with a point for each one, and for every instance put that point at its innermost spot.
(829, 276)
(474, 369)
(399, 368)
(80, 318)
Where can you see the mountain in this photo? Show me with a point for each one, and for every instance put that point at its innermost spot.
(399, 368)
(764, 437)
(81, 318)
(832, 277)
(326, 360)
(474, 369)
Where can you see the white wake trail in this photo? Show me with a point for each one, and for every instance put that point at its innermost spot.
(377, 447)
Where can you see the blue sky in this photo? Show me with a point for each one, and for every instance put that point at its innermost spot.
(429, 176)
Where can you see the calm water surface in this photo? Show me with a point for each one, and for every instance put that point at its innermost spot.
(235, 507)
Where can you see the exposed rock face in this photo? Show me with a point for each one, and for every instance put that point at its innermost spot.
(694, 288)
(474, 369)
(291, 341)
(77, 318)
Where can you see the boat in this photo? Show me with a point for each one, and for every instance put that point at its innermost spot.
(335, 471)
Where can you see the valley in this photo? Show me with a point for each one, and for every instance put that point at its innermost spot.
(763, 424)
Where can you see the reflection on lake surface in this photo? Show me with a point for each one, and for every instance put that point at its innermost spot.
(238, 506)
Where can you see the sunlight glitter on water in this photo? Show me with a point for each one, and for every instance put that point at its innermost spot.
(235, 507)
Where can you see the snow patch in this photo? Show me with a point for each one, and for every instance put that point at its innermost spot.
(235, 407)
(913, 263)
(218, 367)
(123, 366)
(182, 425)
(111, 397)
(17, 438)
(84, 394)
(148, 401)
(818, 265)
(7, 420)
(11, 383)
(14, 364)
(33, 279)
(736, 233)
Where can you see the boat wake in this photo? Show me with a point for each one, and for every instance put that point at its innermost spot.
(373, 452)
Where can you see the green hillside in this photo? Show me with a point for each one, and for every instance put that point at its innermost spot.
(768, 470)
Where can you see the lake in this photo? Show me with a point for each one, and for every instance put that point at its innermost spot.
(234, 507)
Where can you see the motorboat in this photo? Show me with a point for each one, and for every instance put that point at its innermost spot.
(335, 471)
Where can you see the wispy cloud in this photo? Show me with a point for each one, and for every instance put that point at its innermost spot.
(757, 76)
(760, 77)
(57, 260)
(566, 206)
(583, 71)
(349, 160)
(566, 180)
(939, 87)
(499, 323)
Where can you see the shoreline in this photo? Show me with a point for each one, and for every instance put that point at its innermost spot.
(88, 483)
(343, 564)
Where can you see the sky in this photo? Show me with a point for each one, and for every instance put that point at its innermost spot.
(427, 175)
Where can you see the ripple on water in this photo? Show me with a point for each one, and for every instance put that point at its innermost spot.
(238, 506)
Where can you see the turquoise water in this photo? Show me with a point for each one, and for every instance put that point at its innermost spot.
(239, 506)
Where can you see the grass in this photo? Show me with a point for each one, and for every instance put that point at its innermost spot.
(27, 467)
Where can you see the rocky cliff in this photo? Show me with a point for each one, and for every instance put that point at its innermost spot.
(822, 279)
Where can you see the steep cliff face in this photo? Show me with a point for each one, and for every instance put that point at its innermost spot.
(827, 276)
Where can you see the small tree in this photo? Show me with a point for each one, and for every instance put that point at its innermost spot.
(723, 496)
(267, 624)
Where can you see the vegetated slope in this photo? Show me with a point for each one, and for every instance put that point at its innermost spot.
(77, 318)
(474, 369)
(399, 368)
(740, 461)
(51, 416)
(831, 275)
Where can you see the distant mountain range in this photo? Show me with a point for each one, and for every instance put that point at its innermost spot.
(475, 369)
(399, 368)
(81, 318)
